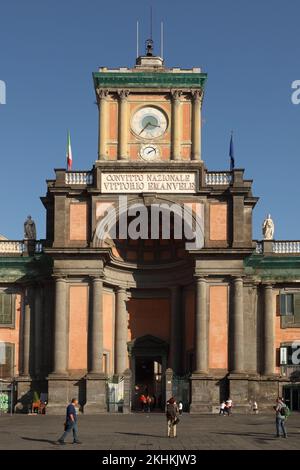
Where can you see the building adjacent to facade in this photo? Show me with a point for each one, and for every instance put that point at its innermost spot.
(102, 317)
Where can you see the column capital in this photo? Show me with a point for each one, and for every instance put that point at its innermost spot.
(176, 94)
(237, 279)
(197, 95)
(102, 93)
(123, 94)
(97, 278)
(200, 278)
(120, 289)
(59, 277)
(267, 285)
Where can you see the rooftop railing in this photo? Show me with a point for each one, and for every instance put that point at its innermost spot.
(79, 177)
(220, 178)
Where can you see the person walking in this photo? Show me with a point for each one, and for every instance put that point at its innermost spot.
(281, 413)
(172, 419)
(71, 423)
(228, 406)
(180, 407)
(255, 408)
(222, 408)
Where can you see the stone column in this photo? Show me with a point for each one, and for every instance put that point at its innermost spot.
(201, 333)
(26, 334)
(60, 328)
(176, 337)
(196, 124)
(238, 326)
(121, 330)
(38, 321)
(96, 328)
(269, 331)
(176, 124)
(103, 124)
(123, 127)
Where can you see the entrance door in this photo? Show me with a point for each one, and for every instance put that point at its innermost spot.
(148, 379)
(292, 397)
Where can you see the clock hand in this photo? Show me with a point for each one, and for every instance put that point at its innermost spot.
(144, 127)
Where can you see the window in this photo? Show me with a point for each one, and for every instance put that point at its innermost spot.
(6, 360)
(286, 304)
(290, 309)
(7, 309)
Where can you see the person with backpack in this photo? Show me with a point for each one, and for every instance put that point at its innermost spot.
(281, 413)
(172, 419)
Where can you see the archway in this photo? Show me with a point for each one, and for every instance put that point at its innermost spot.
(148, 359)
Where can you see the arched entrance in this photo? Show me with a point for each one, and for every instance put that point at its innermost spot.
(148, 359)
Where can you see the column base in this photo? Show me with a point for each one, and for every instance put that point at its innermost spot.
(24, 394)
(206, 392)
(95, 394)
(58, 394)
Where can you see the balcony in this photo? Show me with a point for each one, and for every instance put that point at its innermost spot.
(218, 178)
(78, 178)
(278, 247)
(20, 247)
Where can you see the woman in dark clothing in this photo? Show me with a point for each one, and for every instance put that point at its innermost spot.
(172, 412)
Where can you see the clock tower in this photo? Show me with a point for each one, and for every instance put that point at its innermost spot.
(149, 112)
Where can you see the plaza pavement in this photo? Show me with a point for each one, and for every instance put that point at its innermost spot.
(147, 432)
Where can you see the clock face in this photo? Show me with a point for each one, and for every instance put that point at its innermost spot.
(149, 123)
(149, 152)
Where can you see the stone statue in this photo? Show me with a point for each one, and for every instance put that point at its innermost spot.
(29, 229)
(268, 228)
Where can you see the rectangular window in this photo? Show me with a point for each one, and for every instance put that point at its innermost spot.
(286, 304)
(7, 309)
(6, 360)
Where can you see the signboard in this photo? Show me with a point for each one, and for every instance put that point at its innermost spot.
(148, 182)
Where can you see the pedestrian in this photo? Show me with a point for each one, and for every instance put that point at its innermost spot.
(228, 406)
(172, 418)
(255, 408)
(222, 408)
(281, 413)
(148, 403)
(180, 407)
(143, 401)
(71, 423)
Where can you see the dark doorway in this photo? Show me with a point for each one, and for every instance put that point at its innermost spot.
(291, 395)
(148, 380)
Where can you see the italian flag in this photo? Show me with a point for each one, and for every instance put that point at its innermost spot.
(69, 152)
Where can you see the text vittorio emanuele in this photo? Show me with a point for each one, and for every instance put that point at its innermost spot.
(148, 182)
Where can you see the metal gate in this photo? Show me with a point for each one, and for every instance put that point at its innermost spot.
(181, 391)
(115, 394)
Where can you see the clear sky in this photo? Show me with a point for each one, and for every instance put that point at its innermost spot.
(249, 49)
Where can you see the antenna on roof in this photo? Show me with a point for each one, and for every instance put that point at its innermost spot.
(137, 39)
(162, 39)
(151, 22)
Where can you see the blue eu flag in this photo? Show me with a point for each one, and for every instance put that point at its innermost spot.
(231, 153)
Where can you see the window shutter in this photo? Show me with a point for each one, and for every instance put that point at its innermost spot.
(297, 307)
(282, 304)
(283, 356)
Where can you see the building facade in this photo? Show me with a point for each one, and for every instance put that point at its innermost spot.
(95, 313)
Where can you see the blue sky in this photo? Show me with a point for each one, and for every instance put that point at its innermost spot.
(249, 49)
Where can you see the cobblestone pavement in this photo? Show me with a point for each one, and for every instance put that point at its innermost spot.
(148, 432)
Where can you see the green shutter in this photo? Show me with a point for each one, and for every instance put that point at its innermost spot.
(282, 304)
(297, 307)
(7, 305)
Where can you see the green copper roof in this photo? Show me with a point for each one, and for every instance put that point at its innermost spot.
(149, 79)
(273, 267)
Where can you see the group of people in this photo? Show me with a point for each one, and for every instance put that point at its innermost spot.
(147, 402)
(226, 407)
(173, 410)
